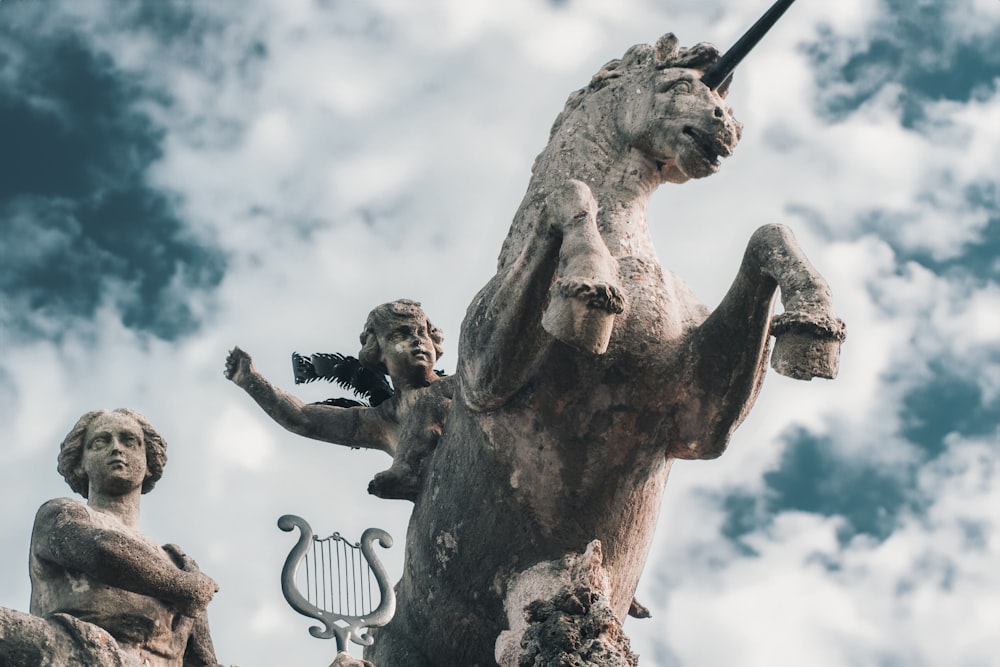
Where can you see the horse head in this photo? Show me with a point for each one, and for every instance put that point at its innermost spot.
(666, 124)
(669, 115)
(668, 103)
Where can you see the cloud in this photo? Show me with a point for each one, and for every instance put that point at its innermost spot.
(179, 177)
(933, 51)
(802, 594)
(82, 224)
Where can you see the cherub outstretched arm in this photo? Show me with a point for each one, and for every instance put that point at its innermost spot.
(65, 534)
(351, 427)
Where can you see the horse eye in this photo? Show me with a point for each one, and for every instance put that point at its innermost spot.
(675, 85)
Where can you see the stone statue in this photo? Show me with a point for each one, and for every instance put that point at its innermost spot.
(102, 593)
(585, 369)
(399, 340)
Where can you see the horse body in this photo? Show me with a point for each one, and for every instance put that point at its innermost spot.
(585, 368)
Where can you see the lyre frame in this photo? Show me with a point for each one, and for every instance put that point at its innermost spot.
(352, 630)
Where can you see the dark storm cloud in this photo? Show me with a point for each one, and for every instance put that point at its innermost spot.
(910, 46)
(78, 214)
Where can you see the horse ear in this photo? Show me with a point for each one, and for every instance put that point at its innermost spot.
(666, 49)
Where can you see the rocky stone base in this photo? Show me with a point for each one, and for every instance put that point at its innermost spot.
(560, 615)
(576, 628)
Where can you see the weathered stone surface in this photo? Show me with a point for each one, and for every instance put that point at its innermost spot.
(576, 628)
(102, 593)
(559, 614)
(585, 369)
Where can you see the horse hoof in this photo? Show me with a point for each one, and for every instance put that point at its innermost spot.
(807, 345)
(582, 313)
(803, 357)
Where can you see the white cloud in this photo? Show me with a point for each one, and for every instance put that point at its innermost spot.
(426, 117)
(925, 596)
(236, 438)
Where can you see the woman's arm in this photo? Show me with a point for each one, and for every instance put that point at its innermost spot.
(65, 534)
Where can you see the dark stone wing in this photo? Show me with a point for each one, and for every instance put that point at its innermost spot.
(303, 369)
(345, 371)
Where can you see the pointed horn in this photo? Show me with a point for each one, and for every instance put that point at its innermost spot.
(718, 72)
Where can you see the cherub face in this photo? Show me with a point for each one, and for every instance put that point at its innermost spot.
(114, 455)
(407, 350)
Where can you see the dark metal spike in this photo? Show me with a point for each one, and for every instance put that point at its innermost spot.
(718, 72)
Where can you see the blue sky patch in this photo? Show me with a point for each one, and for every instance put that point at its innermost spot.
(909, 47)
(946, 404)
(980, 258)
(813, 478)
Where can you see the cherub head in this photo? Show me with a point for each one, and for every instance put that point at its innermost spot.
(71, 451)
(399, 340)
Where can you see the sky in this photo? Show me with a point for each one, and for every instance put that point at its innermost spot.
(177, 178)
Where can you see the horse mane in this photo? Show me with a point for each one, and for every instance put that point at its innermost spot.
(667, 53)
(640, 62)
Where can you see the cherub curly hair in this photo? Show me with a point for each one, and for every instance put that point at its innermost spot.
(380, 319)
(71, 451)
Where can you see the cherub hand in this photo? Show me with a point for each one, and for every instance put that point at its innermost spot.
(239, 367)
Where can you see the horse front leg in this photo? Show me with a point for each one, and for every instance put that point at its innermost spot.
(585, 298)
(726, 355)
(808, 334)
(513, 321)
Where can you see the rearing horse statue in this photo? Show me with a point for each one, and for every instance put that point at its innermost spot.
(585, 368)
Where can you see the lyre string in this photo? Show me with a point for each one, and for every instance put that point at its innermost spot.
(338, 578)
(340, 585)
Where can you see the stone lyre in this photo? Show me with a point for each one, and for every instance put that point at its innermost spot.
(336, 586)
